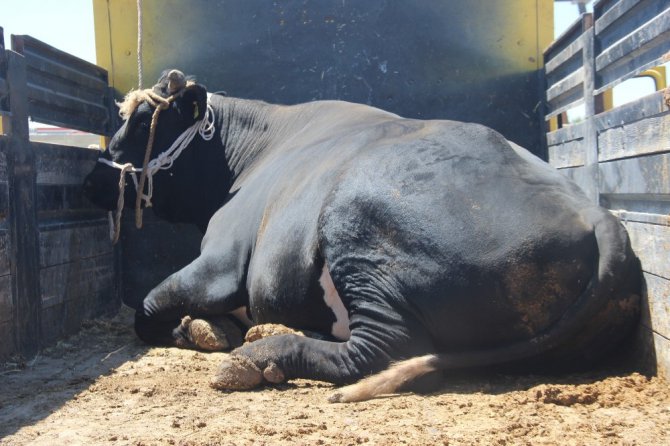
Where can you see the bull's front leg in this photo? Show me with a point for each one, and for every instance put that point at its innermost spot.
(190, 309)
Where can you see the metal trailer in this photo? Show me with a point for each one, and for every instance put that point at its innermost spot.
(620, 155)
(475, 61)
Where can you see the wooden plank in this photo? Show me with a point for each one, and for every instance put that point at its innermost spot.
(54, 73)
(641, 217)
(65, 90)
(578, 175)
(4, 205)
(76, 291)
(4, 91)
(83, 279)
(565, 134)
(66, 245)
(611, 144)
(658, 300)
(4, 141)
(642, 137)
(565, 104)
(569, 154)
(6, 332)
(623, 17)
(645, 107)
(590, 184)
(62, 64)
(613, 14)
(651, 244)
(5, 253)
(647, 208)
(63, 165)
(566, 86)
(602, 6)
(54, 200)
(572, 33)
(61, 110)
(641, 50)
(642, 175)
(6, 305)
(571, 51)
(22, 216)
(3, 57)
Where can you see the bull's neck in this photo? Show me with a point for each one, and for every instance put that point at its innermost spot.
(249, 129)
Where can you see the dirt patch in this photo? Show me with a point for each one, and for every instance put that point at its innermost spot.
(105, 387)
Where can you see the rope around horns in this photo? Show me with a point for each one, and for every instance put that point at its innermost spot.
(204, 127)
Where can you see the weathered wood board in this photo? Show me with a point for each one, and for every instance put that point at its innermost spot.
(568, 154)
(642, 137)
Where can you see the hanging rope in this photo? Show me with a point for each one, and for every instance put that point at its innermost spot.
(115, 226)
(139, 44)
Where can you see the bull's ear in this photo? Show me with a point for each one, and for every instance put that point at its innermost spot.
(192, 104)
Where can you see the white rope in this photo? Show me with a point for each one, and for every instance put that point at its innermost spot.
(205, 128)
(139, 44)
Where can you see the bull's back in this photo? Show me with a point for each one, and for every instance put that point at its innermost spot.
(483, 246)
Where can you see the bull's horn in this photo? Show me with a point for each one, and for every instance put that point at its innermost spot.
(176, 81)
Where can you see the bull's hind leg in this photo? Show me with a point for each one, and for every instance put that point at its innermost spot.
(373, 345)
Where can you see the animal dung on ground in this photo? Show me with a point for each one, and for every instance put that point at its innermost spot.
(206, 335)
(266, 330)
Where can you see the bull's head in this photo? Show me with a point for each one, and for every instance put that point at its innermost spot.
(183, 105)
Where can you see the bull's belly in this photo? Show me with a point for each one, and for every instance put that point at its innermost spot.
(488, 309)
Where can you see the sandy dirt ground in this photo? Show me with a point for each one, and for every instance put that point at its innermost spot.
(103, 386)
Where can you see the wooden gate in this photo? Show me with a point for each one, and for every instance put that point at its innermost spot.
(57, 265)
(619, 155)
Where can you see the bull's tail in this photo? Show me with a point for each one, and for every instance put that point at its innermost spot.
(387, 381)
(616, 279)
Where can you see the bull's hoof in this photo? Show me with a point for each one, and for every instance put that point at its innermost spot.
(273, 374)
(336, 397)
(205, 335)
(266, 330)
(237, 373)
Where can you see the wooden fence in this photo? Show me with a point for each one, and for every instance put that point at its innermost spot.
(619, 155)
(57, 265)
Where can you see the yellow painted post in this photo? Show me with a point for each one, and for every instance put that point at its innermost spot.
(116, 41)
(5, 128)
(658, 75)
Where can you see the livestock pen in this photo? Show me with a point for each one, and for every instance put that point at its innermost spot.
(73, 375)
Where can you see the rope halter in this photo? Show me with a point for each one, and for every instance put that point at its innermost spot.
(204, 127)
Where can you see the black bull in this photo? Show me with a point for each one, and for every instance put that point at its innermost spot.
(395, 238)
